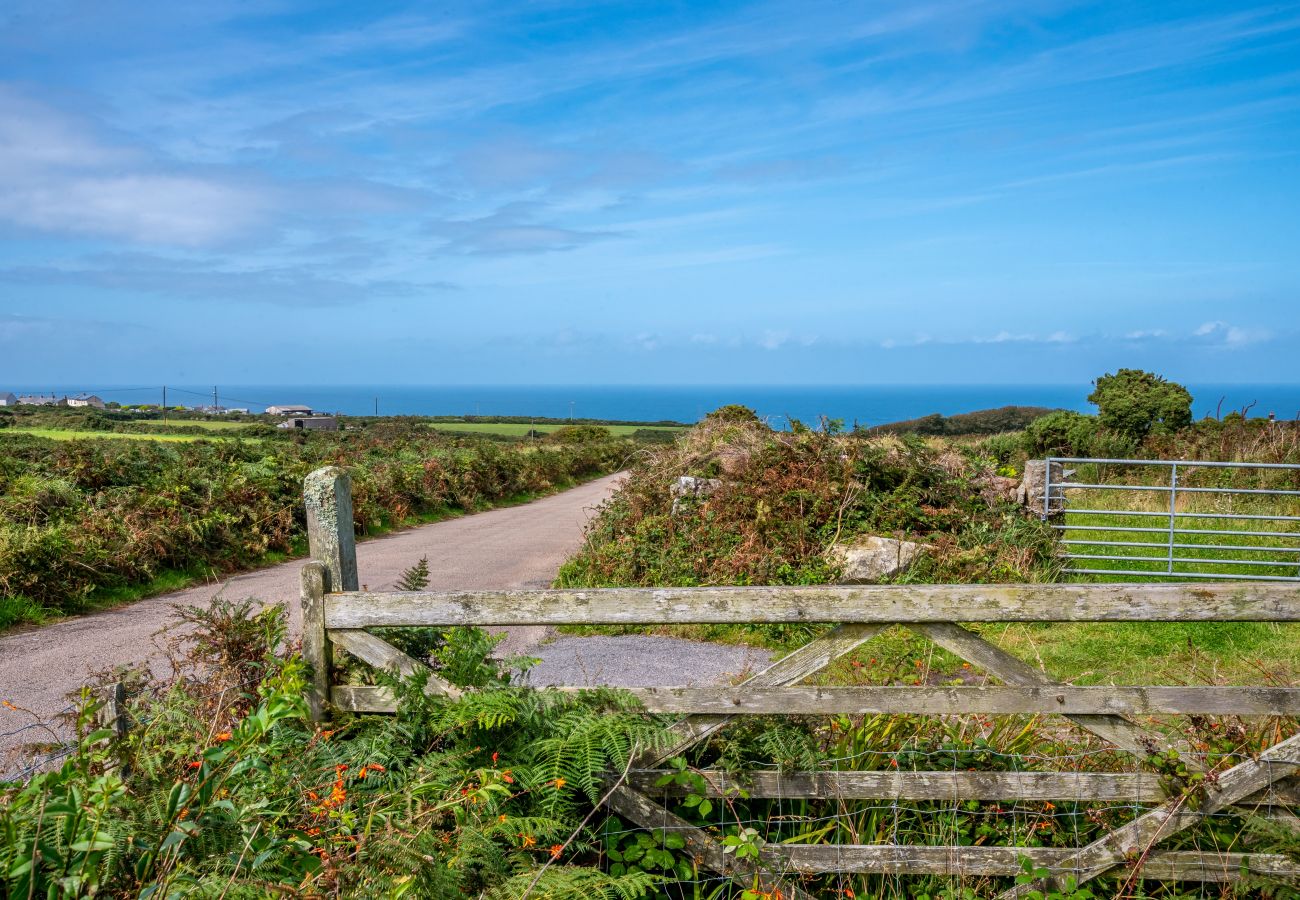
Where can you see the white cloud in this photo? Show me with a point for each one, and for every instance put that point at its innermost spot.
(1231, 336)
(59, 173)
(1146, 334)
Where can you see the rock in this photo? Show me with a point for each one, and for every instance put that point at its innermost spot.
(688, 488)
(997, 489)
(1030, 492)
(873, 558)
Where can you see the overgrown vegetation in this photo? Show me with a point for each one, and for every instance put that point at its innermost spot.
(84, 521)
(223, 788)
(984, 421)
(784, 497)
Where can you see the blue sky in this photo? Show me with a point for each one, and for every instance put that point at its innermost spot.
(547, 192)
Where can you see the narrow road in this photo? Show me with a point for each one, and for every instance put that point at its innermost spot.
(514, 547)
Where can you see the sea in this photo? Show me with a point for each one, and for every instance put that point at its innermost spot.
(867, 404)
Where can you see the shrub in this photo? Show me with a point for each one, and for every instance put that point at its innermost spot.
(77, 517)
(1136, 403)
(785, 498)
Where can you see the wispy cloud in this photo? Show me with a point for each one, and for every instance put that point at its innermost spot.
(513, 229)
(1231, 336)
(60, 174)
(196, 280)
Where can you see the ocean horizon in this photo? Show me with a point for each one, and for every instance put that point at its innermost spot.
(855, 404)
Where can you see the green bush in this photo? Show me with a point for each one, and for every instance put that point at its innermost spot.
(1136, 403)
(85, 516)
(223, 788)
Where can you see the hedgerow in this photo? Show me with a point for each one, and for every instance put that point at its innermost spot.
(783, 498)
(77, 517)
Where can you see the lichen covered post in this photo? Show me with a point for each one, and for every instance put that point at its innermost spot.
(315, 640)
(327, 494)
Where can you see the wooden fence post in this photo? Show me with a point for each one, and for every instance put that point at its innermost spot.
(315, 641)
(327, 494)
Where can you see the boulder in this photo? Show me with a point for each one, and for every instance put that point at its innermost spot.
(872, 558)
(688, 488)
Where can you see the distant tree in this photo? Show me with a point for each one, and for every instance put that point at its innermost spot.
(734, 413)
(1136, 403)
(580, 434)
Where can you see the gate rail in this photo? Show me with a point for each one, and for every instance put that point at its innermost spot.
(336, 614)
(1177, 558)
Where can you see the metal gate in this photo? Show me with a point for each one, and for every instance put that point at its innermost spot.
(1172, 519)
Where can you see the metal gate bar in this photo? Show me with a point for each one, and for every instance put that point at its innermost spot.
(1175, 560)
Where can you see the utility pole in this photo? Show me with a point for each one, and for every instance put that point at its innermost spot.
(570, 412)
(376, 407)
(214, 399)
(164, 404)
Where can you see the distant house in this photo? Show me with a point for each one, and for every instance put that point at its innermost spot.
(311, 423)
(288, 410)
(8, 399)
(41, 400)
(86, 400)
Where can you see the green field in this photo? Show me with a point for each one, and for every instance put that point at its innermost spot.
(1235, 552)
(58, 435)
(520, 429)
(207, 424)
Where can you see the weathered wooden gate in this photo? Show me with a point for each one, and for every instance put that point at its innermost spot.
(337, 614)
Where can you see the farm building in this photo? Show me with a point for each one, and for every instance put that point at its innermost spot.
(311, 423)
(8, 399)
(288, 410)
(41, 400)
(86, 400)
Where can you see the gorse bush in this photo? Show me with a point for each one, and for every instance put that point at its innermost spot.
(78, 517)
(783, 498)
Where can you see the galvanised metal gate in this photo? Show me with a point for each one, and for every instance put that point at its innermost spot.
(1170, 519)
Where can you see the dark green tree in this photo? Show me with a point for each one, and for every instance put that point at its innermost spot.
(1136, 403)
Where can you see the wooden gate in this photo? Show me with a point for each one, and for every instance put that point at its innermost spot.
(336, 614)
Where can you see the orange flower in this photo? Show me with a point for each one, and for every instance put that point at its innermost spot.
(495, 757)
(529, 841)
(223, 736)
(556, 850)
(195, 764)
(559, 783)
(501, 818)
(507, 777)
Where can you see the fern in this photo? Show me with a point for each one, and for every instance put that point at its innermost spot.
(415, 578)
(573, 883)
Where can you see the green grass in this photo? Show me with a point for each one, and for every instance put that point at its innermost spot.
(1245, 554)
(521, 429)
(207, 424)
(58, 435)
